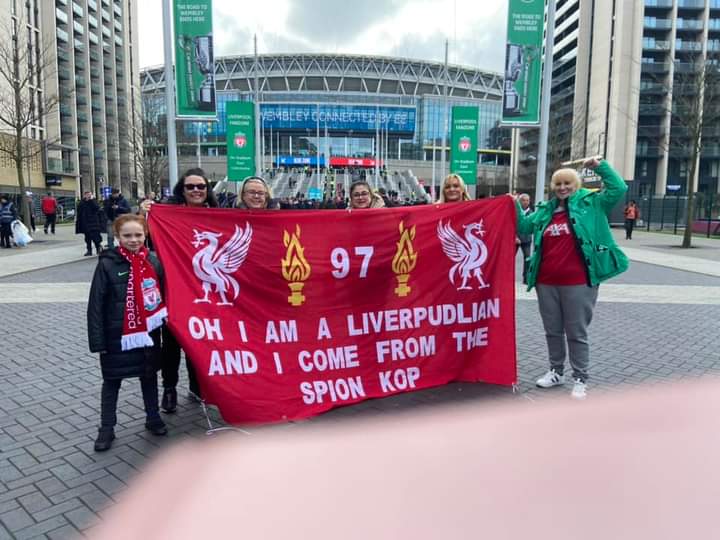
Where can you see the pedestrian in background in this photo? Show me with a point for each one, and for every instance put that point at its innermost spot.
(8, 214)
(124, 315)
(114, 206)
(88, 222)
(574, 252)
(49, 207)
(632, 214)
(523, 242)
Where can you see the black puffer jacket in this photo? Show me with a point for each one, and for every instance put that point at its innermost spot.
(105, 315)
(89, 218)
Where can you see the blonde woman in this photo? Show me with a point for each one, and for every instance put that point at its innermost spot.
(574, 252)
(453, 189)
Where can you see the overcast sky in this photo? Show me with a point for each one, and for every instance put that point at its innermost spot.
(405, 28)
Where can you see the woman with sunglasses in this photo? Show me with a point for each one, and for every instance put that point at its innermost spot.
(192, 189)
(254, 194)
(362, 196)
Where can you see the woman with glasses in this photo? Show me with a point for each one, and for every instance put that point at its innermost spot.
(453, 189)
(362, 196)
(254, 194)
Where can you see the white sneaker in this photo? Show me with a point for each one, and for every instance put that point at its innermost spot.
(579, 390)
(550, 379)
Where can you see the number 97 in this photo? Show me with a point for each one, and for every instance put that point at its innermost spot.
(340, 260)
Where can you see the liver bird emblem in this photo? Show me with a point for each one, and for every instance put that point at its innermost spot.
(468, 254)
(215, 265)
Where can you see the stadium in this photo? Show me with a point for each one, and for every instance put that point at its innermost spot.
(345, 112)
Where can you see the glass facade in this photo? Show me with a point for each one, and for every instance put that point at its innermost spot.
(410, 125)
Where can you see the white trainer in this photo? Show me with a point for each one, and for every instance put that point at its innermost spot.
(550, 379)
(579, 390)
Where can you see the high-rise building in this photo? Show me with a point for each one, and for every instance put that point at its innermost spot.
(92, 136)
(619, 68)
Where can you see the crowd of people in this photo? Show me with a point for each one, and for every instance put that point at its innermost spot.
(574, 251)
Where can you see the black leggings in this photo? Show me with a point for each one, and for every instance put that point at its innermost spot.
(171, 363)
(5, 234)
(109, 399)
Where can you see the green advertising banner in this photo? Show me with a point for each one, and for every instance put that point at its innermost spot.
(194, 59)
(463, 149)
(240, 139)
(523, 62)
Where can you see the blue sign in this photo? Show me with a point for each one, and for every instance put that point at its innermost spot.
(300, 161)
(106, 191)
(315, 193)
(337, 117)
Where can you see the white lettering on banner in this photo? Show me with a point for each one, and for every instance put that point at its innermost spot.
(288, 332)
(323, 330)
(398, 379)
(333, 358)
(278, 364)
(243, 334)
(236, 362)
(205, 329)
(466, 341)
(400, 349)
(392, 320)
(336, 389)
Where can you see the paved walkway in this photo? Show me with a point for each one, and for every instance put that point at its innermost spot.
(657, 322)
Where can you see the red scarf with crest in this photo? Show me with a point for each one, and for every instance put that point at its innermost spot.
(144, 307)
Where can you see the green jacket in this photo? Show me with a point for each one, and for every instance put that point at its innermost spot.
(588, 216)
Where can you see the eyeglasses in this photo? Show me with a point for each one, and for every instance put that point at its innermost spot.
(360, 194)
(193, 187)
(255, 193)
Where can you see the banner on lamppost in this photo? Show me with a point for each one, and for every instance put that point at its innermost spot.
(523, 61)
(463, 149)
(194, 59)
(240, 118)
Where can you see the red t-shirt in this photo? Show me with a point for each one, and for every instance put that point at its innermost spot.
(561, 263)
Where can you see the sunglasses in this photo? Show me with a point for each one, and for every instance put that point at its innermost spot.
(193, 187)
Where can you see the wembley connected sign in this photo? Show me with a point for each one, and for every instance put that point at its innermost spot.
(356, 118)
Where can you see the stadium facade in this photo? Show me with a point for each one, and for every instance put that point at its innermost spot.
(339, 108)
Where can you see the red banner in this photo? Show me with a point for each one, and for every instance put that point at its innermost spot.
(352, 162)
(286, 314)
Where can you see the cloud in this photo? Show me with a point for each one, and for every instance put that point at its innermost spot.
(404, 28)
(330, 22)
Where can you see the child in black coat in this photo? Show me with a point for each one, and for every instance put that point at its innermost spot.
(125, 312)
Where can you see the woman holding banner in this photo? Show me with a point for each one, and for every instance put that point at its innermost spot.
(254, 194)
(453, 189)
(192, 190)
(362, 196)
(574, 252)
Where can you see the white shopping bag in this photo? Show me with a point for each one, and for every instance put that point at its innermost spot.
(21, 235)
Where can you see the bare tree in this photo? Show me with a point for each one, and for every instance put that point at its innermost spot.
(694, 112)
(23, 104)
(693, 107)
(150, 150)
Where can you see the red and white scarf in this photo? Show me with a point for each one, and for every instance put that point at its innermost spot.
(144, 307)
